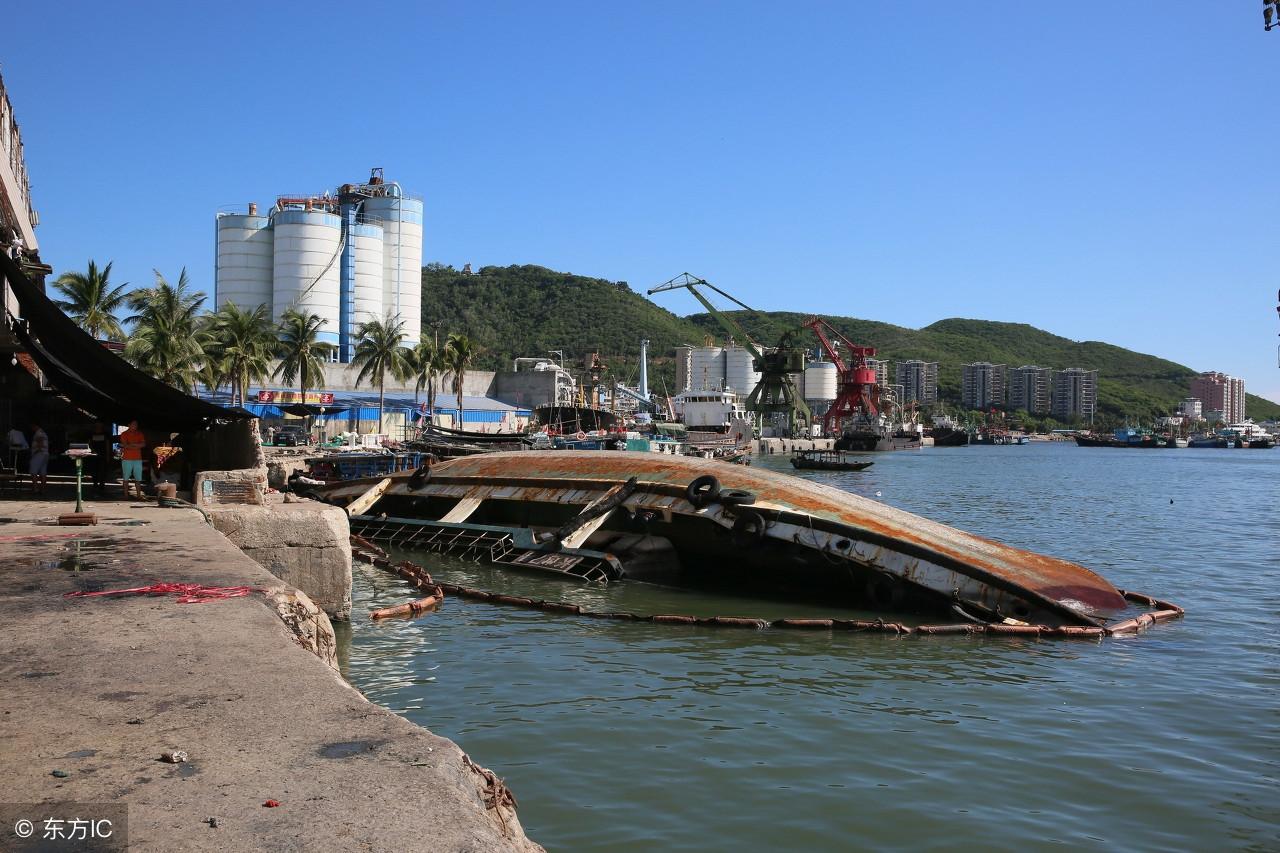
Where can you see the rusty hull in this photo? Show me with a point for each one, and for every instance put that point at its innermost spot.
(810, 514)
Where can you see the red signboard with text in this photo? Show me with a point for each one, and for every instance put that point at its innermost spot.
(314, 398)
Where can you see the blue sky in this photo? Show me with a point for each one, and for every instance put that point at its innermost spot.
(1102, 170)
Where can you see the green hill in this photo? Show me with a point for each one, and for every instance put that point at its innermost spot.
(528, 310)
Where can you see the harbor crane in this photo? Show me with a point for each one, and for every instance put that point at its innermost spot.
(775, 393)
(856, 394)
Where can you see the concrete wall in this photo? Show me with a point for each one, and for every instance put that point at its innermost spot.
(342, 377)
(526, 388)
(305, 544)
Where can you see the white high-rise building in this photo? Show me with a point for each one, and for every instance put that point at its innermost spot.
(1075, 393)
(982, 385)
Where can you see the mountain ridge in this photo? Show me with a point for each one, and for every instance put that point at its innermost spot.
(529, 310)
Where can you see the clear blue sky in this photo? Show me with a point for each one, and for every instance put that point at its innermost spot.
(1103, 170)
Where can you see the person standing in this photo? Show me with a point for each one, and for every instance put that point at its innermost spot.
(101, 445)
(132, 443)
(17, 446)
(39, 465)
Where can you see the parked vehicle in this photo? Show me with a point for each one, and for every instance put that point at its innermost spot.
(290, 437)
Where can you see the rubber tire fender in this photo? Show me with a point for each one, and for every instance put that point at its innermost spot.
(703, 491)
(749, 528)
(735, 497)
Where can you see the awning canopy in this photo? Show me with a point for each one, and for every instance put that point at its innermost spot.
(95, 379)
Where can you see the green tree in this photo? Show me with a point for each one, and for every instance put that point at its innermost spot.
(459, 352)
(242, 342)
(427, 363)
(92, 302)
(379, 352)
(167, 339)
(302, 354)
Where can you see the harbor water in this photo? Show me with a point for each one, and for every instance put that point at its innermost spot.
(624, 736)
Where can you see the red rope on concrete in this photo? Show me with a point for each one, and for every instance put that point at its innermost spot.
(188, 593)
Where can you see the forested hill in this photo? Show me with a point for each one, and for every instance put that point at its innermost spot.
(528, 310)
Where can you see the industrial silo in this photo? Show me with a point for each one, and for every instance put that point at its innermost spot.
(245, 261)
(367, 241)
(706, 369)
(307, 247)
(739, 372)
(401, 219)
(821, 380)
(684, 369)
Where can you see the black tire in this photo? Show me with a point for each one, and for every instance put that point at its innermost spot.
(736, 497)
(703, 491)
(749, 528)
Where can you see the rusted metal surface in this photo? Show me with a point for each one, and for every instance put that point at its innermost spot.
(992, 576)
(419, 577)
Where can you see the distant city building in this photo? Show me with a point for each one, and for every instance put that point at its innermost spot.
(919, 381)
(1029, 389)
(1075, 393)
(881, 367)
(1222, 393)
(982, 385)
(1190, 409)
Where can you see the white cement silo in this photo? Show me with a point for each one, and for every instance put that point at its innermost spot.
(368, 242)
(739, 373)
(245, 262)
(401, 220)
(306, 266)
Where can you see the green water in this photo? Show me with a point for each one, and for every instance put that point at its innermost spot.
(625, 736)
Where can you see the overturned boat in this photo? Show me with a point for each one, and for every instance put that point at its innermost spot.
(603, 516)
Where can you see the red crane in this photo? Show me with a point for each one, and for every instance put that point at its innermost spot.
(857, 391)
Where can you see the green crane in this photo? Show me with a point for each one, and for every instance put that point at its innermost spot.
(775, 393)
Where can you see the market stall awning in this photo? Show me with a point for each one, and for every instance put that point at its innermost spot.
(95, 379)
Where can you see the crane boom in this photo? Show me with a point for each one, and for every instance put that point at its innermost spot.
(692, 283)
(775, 393)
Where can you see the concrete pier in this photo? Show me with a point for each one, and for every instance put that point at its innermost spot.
(768, 446)
(97, 688)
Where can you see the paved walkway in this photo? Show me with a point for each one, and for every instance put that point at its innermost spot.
(98, 688)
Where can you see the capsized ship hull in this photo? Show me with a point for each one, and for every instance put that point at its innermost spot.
(694, 519)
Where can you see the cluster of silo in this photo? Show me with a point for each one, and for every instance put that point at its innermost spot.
(714, 368)
(347, 257)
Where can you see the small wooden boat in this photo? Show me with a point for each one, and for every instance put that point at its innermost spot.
(827, 460)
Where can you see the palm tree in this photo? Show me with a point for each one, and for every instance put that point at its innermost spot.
(242, 342)
(379, 352)
(302, 354)
(428, 363)
(459, 352)
(167, 339)
(92, 302)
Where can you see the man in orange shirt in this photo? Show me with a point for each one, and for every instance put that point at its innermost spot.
(132, 443)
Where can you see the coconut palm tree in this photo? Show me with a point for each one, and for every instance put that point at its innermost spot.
(167, 339)
(459, 352)
(427, 363)
(379, 352)
(92, 301)
(302, 354)
(242, 341)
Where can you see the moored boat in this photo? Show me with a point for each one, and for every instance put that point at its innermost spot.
(827, 460)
